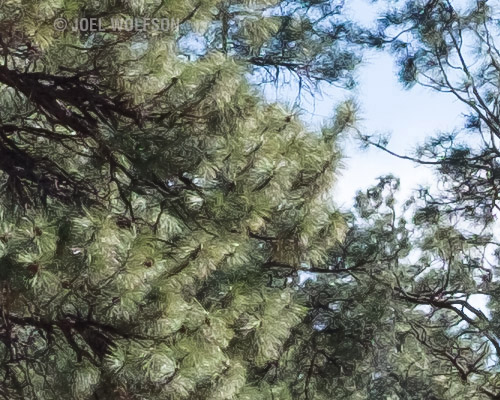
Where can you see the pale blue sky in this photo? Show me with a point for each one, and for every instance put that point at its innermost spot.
(410, 116)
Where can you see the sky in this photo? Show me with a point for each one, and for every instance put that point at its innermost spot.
(409, 116)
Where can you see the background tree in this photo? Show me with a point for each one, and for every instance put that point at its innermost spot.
(391, 316)
(453, 50)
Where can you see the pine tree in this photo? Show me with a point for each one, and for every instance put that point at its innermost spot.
(155, 210)
(393, 318)
(158, 217)
(451, 48)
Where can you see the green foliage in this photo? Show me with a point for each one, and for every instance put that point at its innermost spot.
(159, 221)
(392, 318)
(147, 200)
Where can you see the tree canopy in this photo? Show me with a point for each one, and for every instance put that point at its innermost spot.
(167, 233)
